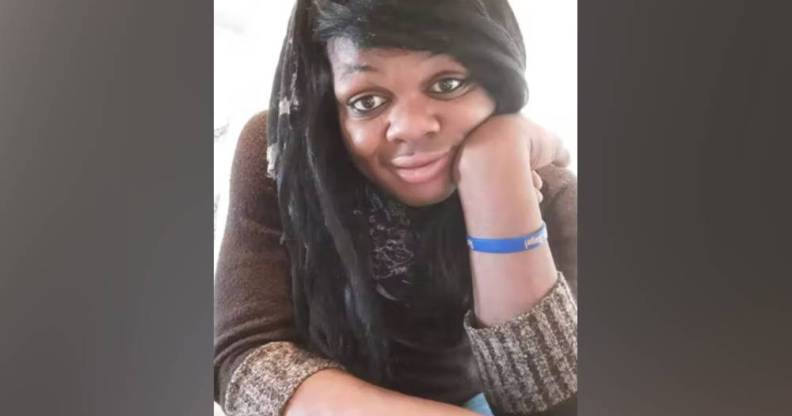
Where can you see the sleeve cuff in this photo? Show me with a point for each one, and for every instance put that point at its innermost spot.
(529, 364)
(266, 379)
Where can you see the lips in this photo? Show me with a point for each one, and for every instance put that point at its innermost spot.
(421, 168)
(416, 161)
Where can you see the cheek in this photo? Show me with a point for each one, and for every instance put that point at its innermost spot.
(363, 140)
(469, 114)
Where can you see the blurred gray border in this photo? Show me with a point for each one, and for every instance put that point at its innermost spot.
(106, 199)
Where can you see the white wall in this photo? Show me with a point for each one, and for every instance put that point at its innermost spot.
(247, 40)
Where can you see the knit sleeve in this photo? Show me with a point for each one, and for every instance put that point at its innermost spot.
(258, 363)
(528, 365)
(266, 379)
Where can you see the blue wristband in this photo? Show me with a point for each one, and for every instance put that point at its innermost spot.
(509, 245)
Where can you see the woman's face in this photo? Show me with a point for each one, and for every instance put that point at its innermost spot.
(404, 115)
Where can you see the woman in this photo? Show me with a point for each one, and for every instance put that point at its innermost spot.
(346, 283)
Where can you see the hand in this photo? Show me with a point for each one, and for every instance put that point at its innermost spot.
(545, 148)
(509, 142)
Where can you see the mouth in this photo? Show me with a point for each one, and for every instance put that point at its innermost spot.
(421, 168)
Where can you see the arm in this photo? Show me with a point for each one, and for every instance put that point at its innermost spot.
(258, 366)
(496, 189)
(524, 321)
(528, 365)
(335, 392)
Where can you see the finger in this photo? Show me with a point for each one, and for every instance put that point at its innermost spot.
(537, 143)
(563, 158)
(538, 147)
(559, 155)
(547, 148)
(537, 180)
(539, 196)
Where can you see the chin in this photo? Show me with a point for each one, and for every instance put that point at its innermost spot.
(425, 197)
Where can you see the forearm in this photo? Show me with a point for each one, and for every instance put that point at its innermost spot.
(334, 392)
(524, 320)
(529, 364)
(505, 285)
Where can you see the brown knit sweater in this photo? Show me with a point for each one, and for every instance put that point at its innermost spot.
(524, 366)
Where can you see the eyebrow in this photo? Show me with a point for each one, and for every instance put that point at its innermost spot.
(353, 68)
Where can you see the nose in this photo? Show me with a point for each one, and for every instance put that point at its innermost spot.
(411, 120)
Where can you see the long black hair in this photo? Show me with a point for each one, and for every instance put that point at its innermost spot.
(337, 310)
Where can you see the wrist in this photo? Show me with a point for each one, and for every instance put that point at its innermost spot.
(500, 211)
(497, 192)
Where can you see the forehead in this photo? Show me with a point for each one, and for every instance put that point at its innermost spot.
(347, 58)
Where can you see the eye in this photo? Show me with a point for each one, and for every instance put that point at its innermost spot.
(447, 85)
(366, 103)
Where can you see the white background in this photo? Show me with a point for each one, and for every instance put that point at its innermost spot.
(247, 40)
